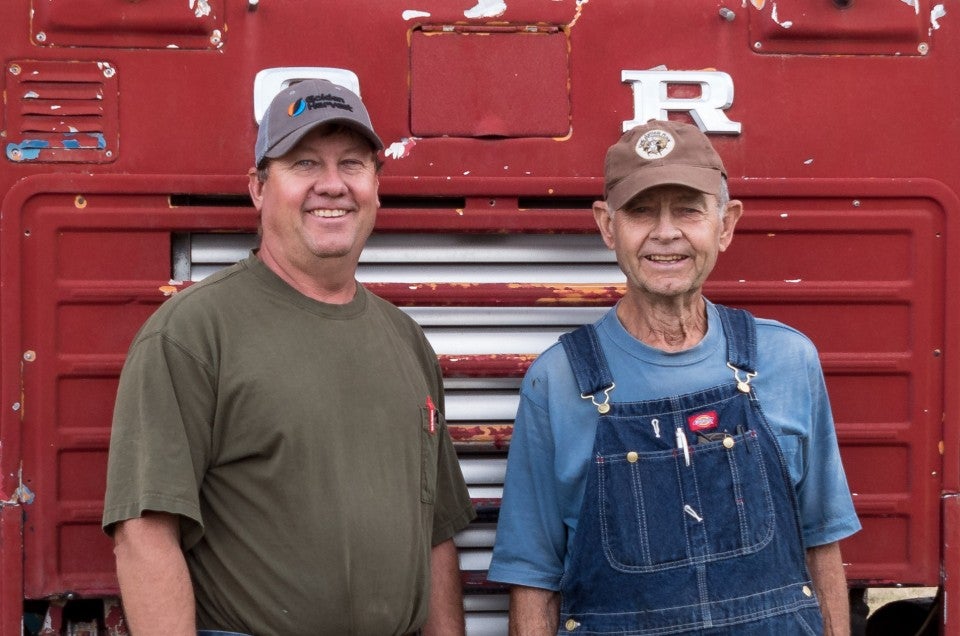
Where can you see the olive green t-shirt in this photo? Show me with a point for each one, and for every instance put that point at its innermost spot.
(297, 442)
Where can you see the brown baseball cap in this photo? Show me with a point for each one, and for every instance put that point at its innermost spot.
(303, 106)
(660, 153)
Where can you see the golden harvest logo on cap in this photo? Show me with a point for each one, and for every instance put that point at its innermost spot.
(655, 144)
(312, 102)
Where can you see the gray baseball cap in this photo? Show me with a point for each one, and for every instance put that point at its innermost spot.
(303, 106)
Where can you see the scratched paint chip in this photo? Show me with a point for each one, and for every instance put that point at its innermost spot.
(411, 14)
(486, 9)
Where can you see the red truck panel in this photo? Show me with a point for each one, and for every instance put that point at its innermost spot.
(837, 122)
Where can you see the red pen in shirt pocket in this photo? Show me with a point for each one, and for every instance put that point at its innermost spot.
(433, 415)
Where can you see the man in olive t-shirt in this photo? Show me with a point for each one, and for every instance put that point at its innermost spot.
(279, 462)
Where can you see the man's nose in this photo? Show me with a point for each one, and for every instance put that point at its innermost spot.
(666, 227)
(329, 181)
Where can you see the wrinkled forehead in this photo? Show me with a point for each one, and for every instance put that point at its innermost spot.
(671, 192)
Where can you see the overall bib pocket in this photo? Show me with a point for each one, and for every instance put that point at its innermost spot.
(657, 512)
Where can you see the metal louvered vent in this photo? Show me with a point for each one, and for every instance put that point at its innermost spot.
(62, 112)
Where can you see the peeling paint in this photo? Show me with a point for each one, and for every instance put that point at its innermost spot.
(410, 14)
(759, 4)
(808, 162)
(937, 12)
(200, 8)
(913, 3)
(487, 9)
(786, 24)
(22, 495)
(793, 280)
(576, 16)
(27, 150)
(401, 149)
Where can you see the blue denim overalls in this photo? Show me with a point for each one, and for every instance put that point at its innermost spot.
(689, 521)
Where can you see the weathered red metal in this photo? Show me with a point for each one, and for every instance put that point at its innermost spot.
(846, 162)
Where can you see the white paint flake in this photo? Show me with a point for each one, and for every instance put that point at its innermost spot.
(937, 12)
(487, 9)
(200, 8)
(786, 24)
(913, 3)
(401, 149)
(411, 14)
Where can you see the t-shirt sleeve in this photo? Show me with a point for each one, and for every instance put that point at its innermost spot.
(531, 534)
(160, 439)
(452, 510)
(826, 506)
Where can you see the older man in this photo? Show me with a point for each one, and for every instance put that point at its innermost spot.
(674, 467)
(279, 462)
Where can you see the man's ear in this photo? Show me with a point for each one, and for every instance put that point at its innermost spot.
(604, 220)
(731, 215)
(255, 186)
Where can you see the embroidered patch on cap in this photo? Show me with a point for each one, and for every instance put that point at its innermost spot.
(702, 421)
(655, 144)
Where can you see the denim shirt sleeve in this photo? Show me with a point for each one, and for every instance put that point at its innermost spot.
(795, 401)
(531, 534)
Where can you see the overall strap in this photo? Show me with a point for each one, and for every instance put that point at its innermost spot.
(740, 329)
(587, 360)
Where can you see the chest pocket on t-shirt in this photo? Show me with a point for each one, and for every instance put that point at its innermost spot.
(432, 426)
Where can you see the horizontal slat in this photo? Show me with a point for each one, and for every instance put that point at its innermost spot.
(476, 536)
(487, 624)
(503, 316)
(485, 406)
(487, 603)
(488, 340)
(483, 471)
(475, 560)
(433, 248)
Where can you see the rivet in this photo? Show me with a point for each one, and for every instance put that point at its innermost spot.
(41, 37)
(14, 69)
(80, 201)
(856, 203)
(632, 457)
(30, 355)
(109, 71)
(727, 14)
(923, 48)
(16, 406)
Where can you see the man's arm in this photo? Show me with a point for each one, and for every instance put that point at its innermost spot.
(533, 611)
(154, 582)
(830, 582)
(446, 592)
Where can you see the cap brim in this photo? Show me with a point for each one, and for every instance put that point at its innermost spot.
(705, 180)
(286, 144)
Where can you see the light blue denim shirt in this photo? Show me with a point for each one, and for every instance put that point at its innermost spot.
(554, 434)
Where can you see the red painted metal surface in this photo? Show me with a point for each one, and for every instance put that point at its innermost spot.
(846, 162)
